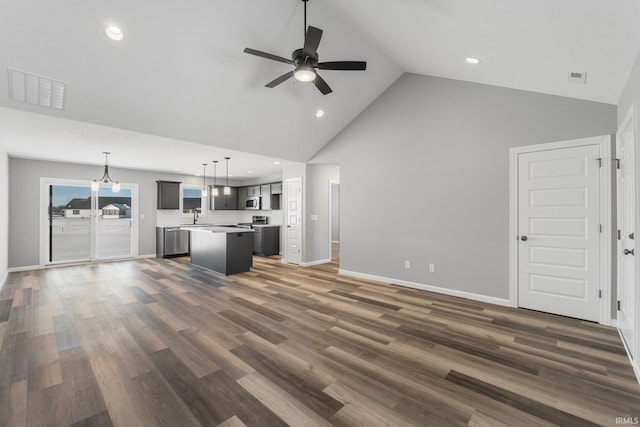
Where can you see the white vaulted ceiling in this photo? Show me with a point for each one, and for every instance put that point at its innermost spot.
(180, 73)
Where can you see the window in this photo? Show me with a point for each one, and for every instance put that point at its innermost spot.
(192, 201)
(76, 211)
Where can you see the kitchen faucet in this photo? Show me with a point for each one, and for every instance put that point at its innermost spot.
(195, 216)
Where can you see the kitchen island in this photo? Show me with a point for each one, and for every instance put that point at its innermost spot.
(227, 250)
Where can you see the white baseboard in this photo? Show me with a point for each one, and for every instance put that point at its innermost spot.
(4, 279)
(335, 241)
(312, 263)
(614, 323)
(421, 286)
(25, 268)
(146, 256)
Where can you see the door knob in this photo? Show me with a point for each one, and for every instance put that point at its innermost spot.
(627, 252)
(632, 236)
(524, 238)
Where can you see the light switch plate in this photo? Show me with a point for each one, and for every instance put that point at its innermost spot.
(314, 217)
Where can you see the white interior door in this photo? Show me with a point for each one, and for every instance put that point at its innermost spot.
(558, 228)
(626, 204)
(294, 221)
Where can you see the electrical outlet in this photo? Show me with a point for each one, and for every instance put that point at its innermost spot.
(407, 264)
(432, 268)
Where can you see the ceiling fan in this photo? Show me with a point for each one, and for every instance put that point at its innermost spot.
(306, 62)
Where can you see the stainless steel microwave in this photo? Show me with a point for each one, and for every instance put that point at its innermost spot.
(252, 203)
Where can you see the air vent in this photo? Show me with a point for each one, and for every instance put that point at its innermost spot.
(36, 90)
(576, 77)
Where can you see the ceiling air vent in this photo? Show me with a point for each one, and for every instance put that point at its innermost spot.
(36, 90)
(575, 77)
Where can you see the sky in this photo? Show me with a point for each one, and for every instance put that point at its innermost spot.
(62, 194)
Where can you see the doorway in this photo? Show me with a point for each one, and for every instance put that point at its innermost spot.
(334, 221)
(626, 215)
(560, 228)
(78, 225)
(293, 222)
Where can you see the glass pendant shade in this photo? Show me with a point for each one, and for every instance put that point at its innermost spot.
(95, 185)
(115, 187)
(227, 189)
(214, 191)
(204, 181)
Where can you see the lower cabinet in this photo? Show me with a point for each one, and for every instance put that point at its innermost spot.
(266, 240)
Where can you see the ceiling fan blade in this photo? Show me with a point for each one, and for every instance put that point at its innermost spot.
(281, 79)
(312, 41)
(268, 56)
(343, 65)
(322, 86)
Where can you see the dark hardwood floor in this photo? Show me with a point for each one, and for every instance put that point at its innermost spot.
(161, 343)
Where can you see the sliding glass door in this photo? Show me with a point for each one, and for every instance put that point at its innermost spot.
(69, 223)
(82, 225)
(114, 224)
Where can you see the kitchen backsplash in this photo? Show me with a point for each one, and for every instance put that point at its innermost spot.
(172, 217)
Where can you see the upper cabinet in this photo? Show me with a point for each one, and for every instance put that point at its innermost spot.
(253, 191)
(225, 203)
(276, 188)
(168, 195)
(242, 195)
(265, 192)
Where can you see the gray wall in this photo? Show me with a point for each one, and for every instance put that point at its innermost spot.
(335, 212)
(317, 244)
(424, 176)
(4, 212)
(24, 199)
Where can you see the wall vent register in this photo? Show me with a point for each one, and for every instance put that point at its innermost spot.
(36, 90)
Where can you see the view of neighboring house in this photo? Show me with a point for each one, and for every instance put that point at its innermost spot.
(108, 208)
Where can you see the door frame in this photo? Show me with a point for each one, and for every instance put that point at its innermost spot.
(286, 257)
(604, 143)
(331, 184)
(629, 116)
(44, 224)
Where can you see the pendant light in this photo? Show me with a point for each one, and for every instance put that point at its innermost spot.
(227, 189)
(204, 182)
(215, 189)
(115, 185)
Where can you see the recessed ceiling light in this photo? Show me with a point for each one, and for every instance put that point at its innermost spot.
(472, 60)
(177, 170)
(114, 33)
(276, 162)
(249, 171)
(319, 113)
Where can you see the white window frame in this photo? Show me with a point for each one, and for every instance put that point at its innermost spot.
(203, 202)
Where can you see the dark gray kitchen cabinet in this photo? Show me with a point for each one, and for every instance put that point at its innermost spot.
(276, 188)
(266, 240)
(253, 191)
(225, 203)
(242, 195)
(265, 192)
(168, 194)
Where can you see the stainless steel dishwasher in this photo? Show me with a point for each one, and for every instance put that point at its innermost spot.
(171, 241)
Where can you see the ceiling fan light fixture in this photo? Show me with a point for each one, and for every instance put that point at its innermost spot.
(305, 73)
